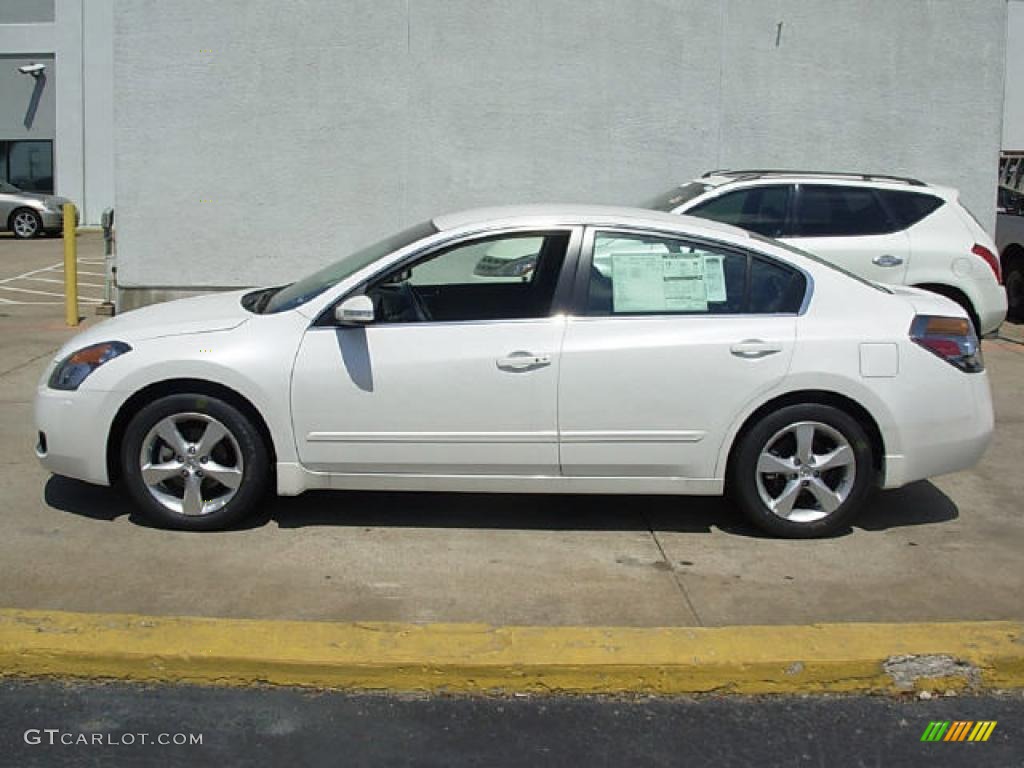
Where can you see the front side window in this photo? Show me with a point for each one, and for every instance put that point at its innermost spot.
(652, 275)
(506, 277)
(304, 290)
(831, 211)
(756, 209)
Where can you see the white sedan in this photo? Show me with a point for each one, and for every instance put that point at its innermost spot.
(698, 360)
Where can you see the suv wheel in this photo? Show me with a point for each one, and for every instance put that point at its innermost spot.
(1014, 281)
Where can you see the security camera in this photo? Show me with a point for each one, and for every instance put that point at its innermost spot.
(32, 69)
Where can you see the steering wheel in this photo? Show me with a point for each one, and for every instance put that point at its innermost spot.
(412, 296)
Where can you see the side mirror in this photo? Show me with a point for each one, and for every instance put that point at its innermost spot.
(355, 310)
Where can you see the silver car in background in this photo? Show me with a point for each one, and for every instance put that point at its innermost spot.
(29, 214)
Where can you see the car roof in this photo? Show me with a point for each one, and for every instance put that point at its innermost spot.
(602, 215)
(721, 178)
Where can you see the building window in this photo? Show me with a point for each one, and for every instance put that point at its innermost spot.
(27, 165)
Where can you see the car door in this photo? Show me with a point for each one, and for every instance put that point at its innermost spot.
(457, 373)
(670, 340)
(849, 226)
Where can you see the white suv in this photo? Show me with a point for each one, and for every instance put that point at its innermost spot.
(884, 228)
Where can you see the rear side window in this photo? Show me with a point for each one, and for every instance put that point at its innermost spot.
(827, 211)
(908, 208)
(756, 209)
(652, 275)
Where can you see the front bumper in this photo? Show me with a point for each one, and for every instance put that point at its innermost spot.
(54, 220)
(73, 429)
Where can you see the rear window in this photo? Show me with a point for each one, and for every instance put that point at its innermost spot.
(676, 196)
(908, 208)
(828, 211)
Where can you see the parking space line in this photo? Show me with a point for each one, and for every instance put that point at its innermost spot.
(61, 282)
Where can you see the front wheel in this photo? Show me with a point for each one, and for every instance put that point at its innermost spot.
(25, 224)
(803, 471)
(194, 462)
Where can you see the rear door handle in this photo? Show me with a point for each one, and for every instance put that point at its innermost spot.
(887, 260)
(754, 348)
(523, 361)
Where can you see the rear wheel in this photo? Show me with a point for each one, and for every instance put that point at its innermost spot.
(25, 223)
(1014, 280)
(803, 471)
(194, 462)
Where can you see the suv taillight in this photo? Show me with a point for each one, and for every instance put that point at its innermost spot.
(951, 338)
(990, 259)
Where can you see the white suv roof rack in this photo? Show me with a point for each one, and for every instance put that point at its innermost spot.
(760, 173)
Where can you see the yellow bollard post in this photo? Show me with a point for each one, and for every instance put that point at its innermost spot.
(70, 265)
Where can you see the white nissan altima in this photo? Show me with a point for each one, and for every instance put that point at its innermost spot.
(693, 359)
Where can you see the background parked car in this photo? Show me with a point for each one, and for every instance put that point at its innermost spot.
(29, 214)
(883, 228)
(1010, 239)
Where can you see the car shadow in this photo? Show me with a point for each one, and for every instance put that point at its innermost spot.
(918, 504)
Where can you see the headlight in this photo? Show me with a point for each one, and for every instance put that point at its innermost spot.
(76, 367)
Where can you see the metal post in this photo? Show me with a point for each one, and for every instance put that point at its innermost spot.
(70, 265)
(107, 307)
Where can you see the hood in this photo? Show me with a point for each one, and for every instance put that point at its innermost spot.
(51, 201)
(200, 314)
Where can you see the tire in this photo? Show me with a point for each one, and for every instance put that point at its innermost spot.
(1014, 281)
(806, 505)
(25, 223)
(191, 485)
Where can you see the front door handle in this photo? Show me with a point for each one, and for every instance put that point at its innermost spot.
(754, 349)
(523, 361)
(887, 260)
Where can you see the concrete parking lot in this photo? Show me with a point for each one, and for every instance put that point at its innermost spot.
(942, 550)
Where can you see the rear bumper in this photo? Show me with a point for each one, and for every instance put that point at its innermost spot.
(950, 441)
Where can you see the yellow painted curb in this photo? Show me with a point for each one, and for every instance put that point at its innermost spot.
(473, 658)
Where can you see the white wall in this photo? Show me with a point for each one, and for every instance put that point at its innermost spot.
(257, 140)
(1013, 115)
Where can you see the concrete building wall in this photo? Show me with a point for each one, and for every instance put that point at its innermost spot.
(26, 11)
(257, 140)
(1013, 115)
(29, 104)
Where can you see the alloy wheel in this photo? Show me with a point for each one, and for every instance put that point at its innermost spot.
(191, 464)
(806, 471)
(25, 224)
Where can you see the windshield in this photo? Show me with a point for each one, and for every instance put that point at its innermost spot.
(9, 189)
(299, 293)
(818, 260)
(676, 196)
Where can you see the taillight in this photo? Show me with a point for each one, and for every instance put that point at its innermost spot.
(951, 338)
(990, 259)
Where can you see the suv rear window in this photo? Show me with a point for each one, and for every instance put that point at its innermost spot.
(832, 211)
(908, 208)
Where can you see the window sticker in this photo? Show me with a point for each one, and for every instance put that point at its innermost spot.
(714, 277)
(658, 282)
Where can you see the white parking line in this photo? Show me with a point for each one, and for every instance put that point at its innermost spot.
(61, 282)
(87, 299)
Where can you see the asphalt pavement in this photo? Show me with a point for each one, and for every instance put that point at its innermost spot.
(53, 724)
